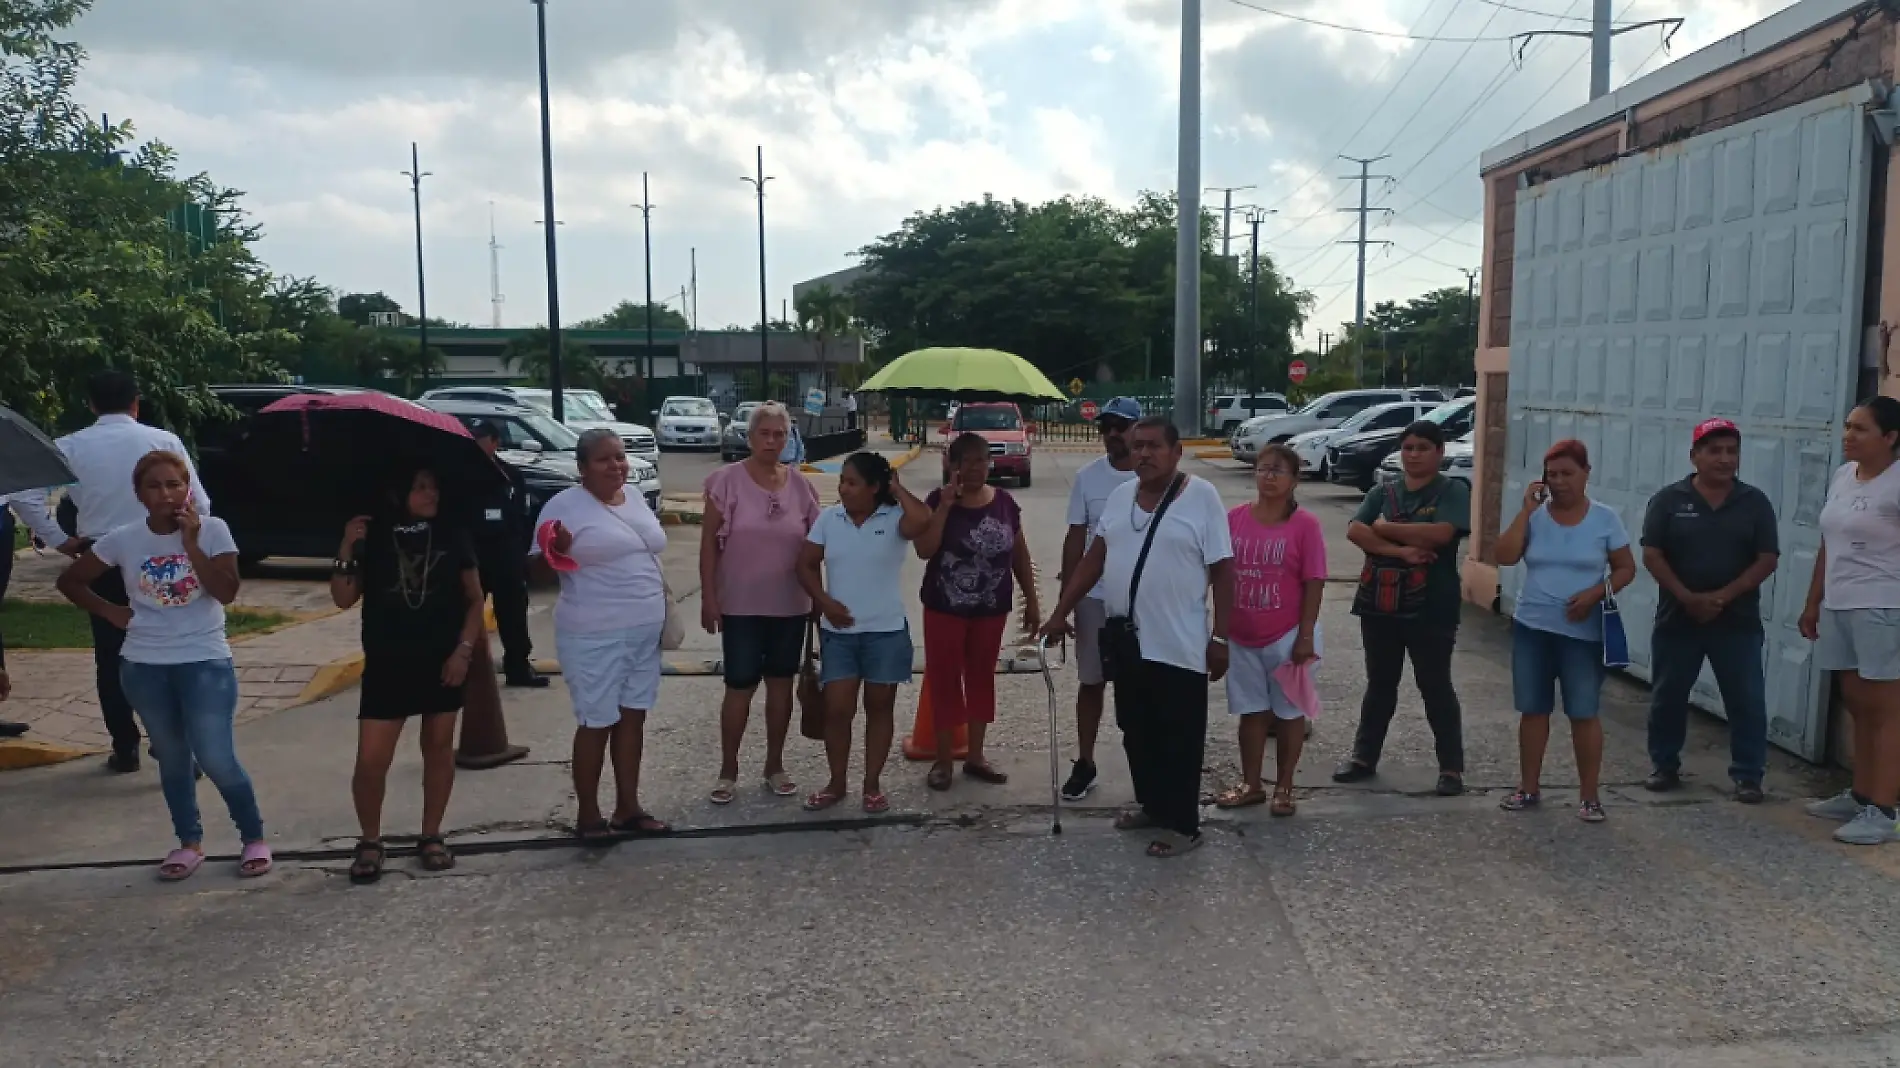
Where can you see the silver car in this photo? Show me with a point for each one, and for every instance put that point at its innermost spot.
(1457, 464)
(689, 422)
(1324, 413)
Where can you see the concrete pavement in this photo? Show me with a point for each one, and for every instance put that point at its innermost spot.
(1381, 926)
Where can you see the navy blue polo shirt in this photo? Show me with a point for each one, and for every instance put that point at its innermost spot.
(1709, 547)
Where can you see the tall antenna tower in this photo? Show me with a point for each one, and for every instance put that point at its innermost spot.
(495, 299)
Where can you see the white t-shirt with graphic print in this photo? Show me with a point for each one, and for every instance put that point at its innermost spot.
(175, 620)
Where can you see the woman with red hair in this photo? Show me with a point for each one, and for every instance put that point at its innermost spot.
(1575, 554)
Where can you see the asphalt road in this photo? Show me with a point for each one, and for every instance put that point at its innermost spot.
(1380, 927)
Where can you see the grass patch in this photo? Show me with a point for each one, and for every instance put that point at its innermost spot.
(39, 625)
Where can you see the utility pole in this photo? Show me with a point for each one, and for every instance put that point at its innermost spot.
(547, 206)
(495, 298)
(416, 174)
(765, 326)
(1600, 34)
(1187, 260)
(1471, 292)
(1254, 219)
(1227, 215)
(646, 226)
(695, 284)
(1365, 178)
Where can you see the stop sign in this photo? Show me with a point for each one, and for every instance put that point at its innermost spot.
(1296, 370)
(1089, 411)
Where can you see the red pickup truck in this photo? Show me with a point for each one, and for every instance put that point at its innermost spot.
(1002, 425)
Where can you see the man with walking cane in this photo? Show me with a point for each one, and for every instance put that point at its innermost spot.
(1162, 542)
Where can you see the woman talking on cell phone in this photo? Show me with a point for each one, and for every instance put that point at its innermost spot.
(1575, 554)
(180, 570)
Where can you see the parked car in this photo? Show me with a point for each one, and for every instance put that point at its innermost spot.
(1456, 465)
(582, 409)
(733, 443)
(1464, 391)
(1355, 460)
(1312, 445)
(530, 431)
(1001, 424)
(1229, 411)
(1325, 412)
(688, 422)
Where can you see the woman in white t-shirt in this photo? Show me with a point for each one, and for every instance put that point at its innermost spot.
(1853, 616)
(861, 542)
(604, 544)
(181, 570)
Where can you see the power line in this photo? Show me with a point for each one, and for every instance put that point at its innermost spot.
(1388, 34)
(1426, 100)
(1364, 178)
(1541, 14)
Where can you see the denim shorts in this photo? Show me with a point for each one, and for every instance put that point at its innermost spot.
(1865, 641)
(882, 658)
(760, 647)
(1543, 663)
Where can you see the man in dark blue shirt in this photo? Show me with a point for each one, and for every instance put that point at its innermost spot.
(1710, 542)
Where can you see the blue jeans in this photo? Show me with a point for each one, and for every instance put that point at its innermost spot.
(189, 711)
(1675, 656)
(881, 658)
(1543, 663)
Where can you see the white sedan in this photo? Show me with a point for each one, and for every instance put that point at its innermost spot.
(1312, 449)
(688, 422)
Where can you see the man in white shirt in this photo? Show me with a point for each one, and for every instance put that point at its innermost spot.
(1159, 648)
(851, 411)
(102, 457)
(1087, 497)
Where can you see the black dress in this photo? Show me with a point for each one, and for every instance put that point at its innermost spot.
(413, 611)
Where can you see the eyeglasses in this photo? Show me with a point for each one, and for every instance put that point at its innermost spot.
(1274, 472)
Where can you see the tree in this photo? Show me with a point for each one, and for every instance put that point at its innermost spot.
(823, 313)
(357, 307)
(527, 356)
(93, 271)
(1426, 340)
(632, 315)
(1072, 285)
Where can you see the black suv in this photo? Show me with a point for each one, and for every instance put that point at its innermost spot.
(1355, 460)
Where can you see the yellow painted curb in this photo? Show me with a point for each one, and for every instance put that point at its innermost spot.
(915, 450)
(20, 753)
(332, 678)
(1192, 443)
(1213, 454)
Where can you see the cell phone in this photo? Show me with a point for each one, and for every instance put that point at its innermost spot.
(1541, 493)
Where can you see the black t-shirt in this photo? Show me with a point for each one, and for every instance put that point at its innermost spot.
(501, 519)
(412, 589)
(1708, 548)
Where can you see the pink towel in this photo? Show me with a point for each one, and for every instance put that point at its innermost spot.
(1296, 681)
(544, 540)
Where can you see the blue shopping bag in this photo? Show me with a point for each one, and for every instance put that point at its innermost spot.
(1616, 640)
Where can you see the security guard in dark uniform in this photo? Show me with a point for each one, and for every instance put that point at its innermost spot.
(501, 550)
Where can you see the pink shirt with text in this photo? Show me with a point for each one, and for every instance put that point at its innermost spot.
(1270, 565)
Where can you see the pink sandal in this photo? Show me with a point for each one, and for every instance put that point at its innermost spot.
(256, 861)
(179, 865)
(876, 803)
(822, 800)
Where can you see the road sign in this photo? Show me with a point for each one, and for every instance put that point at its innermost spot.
(1089, 411)
(1296, 370)
(1075, 387)
(815, 402)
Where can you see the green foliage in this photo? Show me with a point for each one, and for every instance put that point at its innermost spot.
(1070, 285)
(358, 307)
(632, 315)
(823, 314)
(527, 356)
(1427, 340)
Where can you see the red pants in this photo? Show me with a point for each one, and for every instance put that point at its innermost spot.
(960, 667)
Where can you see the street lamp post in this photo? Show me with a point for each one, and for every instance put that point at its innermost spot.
(646, 221)
(765, 359)
(547, 198)
(416, 174)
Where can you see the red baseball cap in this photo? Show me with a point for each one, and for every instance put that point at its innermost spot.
(1713, 426)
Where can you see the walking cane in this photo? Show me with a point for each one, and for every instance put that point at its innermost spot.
(1049, 681)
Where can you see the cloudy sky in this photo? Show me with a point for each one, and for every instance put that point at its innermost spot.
(868, 110)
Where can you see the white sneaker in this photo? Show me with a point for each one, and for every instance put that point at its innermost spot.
(1871, 827)
(1841, 807)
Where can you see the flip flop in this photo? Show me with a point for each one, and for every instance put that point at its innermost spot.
(179, 865)
(938, 779)
(598, 832)
(780, 784)
(984, 773)
(723, 792)
(1133, 819)
(255, 861)
(876, 803)
(1174, 845)
(822, 800)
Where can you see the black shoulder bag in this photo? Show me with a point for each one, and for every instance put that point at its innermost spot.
(1121, 640)
(1388, 586)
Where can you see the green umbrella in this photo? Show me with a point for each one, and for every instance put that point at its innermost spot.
(964, 374)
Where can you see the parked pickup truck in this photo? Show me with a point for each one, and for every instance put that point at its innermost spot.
(1001, 424)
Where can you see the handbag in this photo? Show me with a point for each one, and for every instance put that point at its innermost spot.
(1121, 639)
(1388, 586)
(1616, 640)
(811, 696)
(673, 628)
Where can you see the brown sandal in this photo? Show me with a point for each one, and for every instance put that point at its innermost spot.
(434, 853)
(1241, 797)
(1283, 803)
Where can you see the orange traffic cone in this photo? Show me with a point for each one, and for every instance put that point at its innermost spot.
(922, 743)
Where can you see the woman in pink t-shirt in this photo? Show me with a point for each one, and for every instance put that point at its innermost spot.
(758, 512)
(1279, 573)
